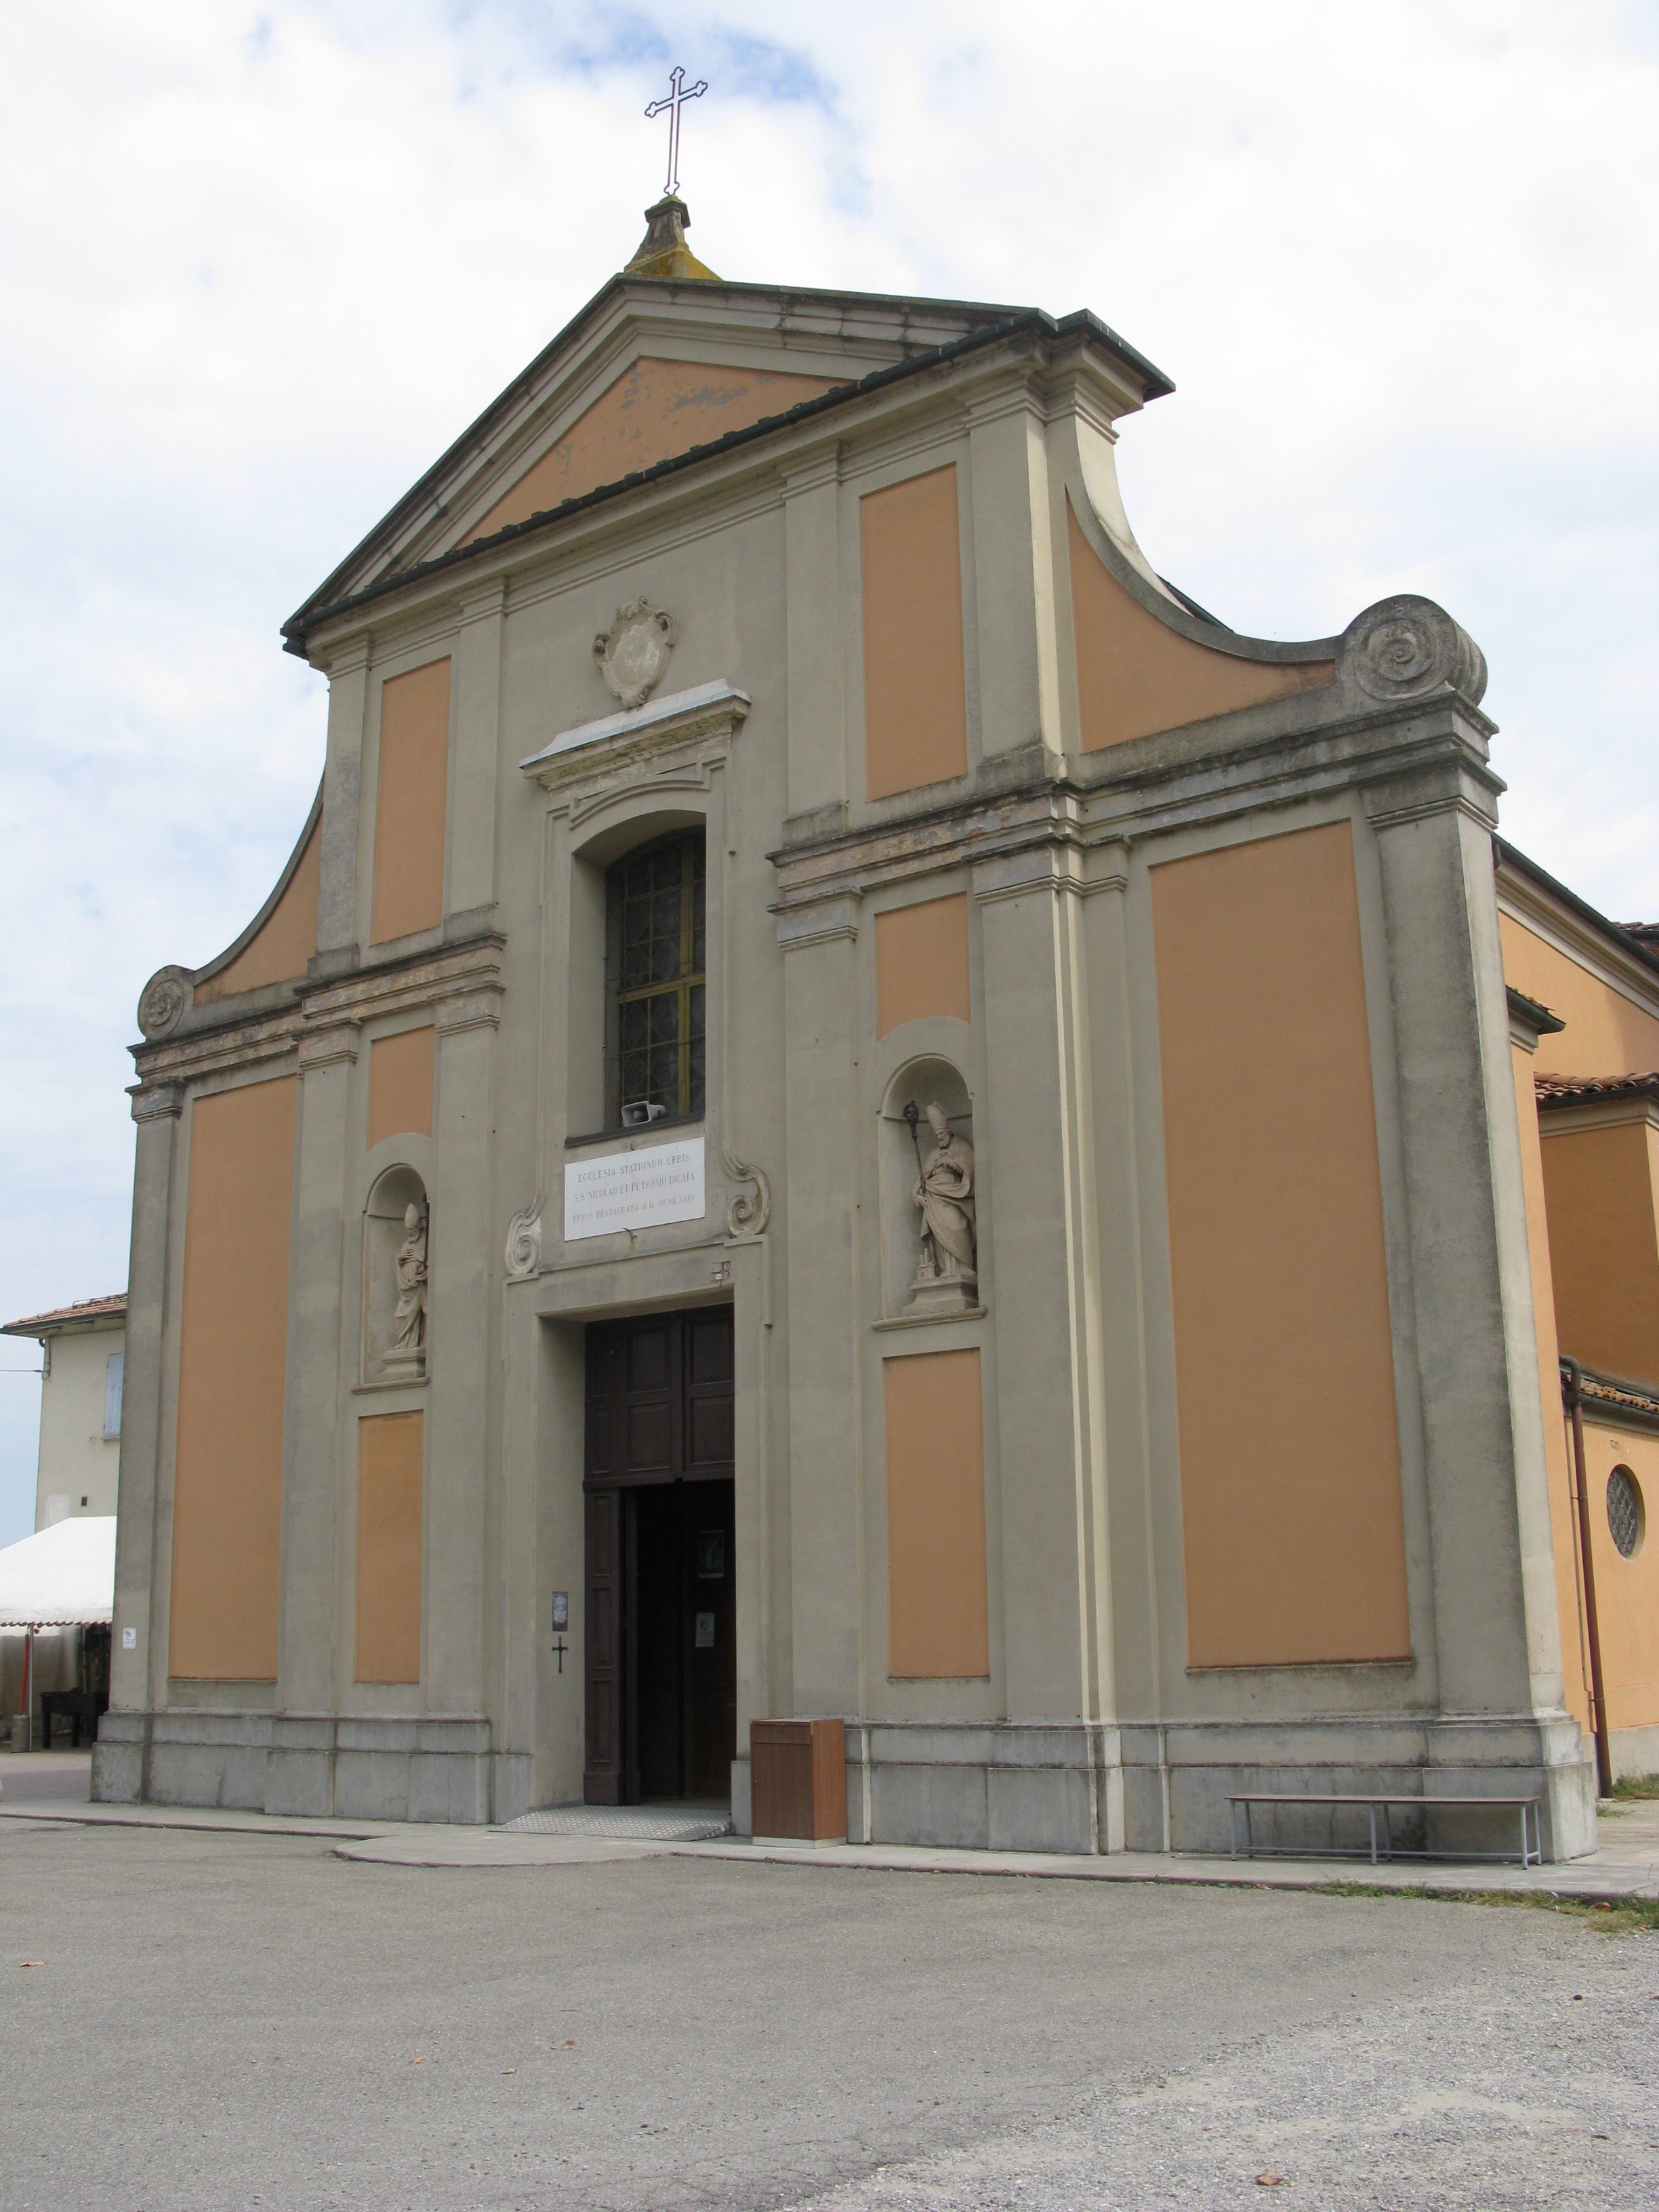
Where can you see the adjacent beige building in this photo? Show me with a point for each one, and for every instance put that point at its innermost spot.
(849, 1106)
(77, 1476)
(82, 1361)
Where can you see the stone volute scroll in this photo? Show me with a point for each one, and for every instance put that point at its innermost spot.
(748, 1212)
(164, 1001)
(633, 654)
(523, 1254)
(1407, 647)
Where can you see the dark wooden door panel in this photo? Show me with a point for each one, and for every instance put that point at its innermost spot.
(649, 1444)
(709, 1347)
(708, 1437)
(661, 1663)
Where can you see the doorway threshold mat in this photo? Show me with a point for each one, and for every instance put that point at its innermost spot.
(653, 1824)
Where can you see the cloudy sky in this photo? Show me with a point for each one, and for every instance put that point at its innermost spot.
(261, 263)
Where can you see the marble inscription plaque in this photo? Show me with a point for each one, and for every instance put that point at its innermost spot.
(634, 1190)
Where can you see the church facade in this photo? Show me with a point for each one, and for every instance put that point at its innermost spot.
(850, 1106)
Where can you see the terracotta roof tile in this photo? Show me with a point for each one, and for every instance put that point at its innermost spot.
(1584, 1090)
(66, 1316)
(1630, 1397)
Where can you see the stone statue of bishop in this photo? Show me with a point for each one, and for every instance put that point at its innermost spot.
(947, 1276)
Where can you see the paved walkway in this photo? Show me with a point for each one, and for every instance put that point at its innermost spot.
(252, 2021)
(51, 1786)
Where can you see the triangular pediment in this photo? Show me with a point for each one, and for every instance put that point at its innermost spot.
(655, 409)
(650, 370)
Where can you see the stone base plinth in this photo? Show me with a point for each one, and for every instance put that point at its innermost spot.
(366, 1767)
(939, 1295)
(1072, 1787)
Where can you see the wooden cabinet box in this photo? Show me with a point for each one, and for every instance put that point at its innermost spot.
(797, 1777)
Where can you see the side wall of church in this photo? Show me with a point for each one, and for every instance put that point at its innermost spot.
(1593, 1221)
(1626, 1590)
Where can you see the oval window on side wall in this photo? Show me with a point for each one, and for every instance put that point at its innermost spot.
(1627, 1516)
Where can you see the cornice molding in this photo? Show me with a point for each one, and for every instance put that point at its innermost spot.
(212, 1052)
(822, 922)
(322, 1024)
(368, 992)
(686, 729)
(478, 1009)
(156, 1102)
(1568, 932)
(336, 1045)
(1405, 764)
(1597, 1114)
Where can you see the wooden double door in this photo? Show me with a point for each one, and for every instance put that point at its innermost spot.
(661, 1614)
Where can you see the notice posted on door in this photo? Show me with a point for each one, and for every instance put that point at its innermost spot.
(634, 1190)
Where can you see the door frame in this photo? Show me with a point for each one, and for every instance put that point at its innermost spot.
(610, 1771)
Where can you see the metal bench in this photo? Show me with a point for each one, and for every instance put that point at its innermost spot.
(1532, 1849)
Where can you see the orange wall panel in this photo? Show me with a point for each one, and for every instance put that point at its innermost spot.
(654, 410)
(389, 1459)
(411, 803)
(1290, 1460)
(916, 710)
(400, 1075)
(938, 1626)
(1135, 677)
(1606, 1034)
(233, 1360)
(285, 945)
(1601, 1189)
(921, 962)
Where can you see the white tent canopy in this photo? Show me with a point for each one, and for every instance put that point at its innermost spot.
(61, 1577)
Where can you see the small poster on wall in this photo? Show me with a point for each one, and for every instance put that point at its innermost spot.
(634, 1190)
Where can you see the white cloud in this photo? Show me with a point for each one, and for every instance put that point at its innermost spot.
(263, 263)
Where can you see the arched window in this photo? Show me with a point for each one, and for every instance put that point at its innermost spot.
(656, 976)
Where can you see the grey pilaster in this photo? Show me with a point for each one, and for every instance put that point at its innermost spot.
(1496, 1629)
(317, 1342)
(473, 777)
(157, 1112)
(1012, 576)
(460, 1518)
(337, 891)
(815, 638)
(1048, 1395)
(826, 1485)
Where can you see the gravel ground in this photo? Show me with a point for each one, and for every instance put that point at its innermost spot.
(235, 2021)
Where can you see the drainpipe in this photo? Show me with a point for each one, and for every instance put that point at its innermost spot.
(1572, 1397)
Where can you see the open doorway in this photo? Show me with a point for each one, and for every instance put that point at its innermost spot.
(661, 1614)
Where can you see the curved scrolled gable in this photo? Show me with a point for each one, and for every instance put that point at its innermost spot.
(277, 944)
(1138, 675)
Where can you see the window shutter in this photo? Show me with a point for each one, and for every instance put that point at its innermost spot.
(114, 1369)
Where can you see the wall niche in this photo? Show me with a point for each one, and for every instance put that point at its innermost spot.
(397, 1228)
(929, 1194)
